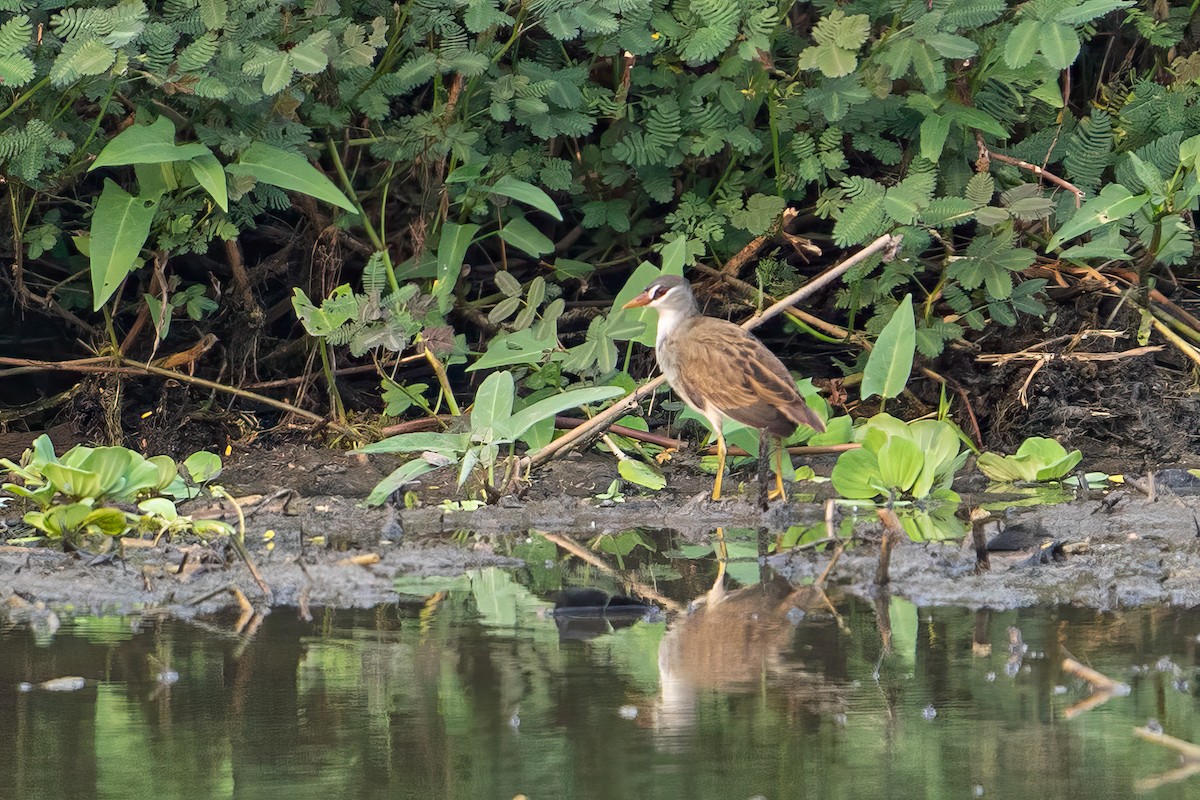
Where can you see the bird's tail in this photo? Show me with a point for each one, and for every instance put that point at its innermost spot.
(801, 414)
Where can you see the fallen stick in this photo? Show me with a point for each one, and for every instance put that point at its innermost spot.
(999, 359)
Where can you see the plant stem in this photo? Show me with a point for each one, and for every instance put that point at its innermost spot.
(372, 234)
(440, 371)
(20, 101)
(335, 397)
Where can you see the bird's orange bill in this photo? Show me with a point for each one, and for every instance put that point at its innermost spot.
(642, 299)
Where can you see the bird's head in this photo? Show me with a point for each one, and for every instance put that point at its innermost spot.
(669, 293)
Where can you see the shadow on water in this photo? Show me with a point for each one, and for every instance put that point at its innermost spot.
(476, 687)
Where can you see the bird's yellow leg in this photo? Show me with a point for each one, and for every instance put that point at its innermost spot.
(777, 492)
(716, 494)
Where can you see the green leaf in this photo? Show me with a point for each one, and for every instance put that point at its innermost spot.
(1059, 44)
(641, 473)
(891, 361)
(1189, 153)
(452, 249)
(675, 255)
(1022, 43)
(949, 45)
(309, 57)
(1089, 10)
(277, 73)
(493, 401)
(515, 426)
(120, 226)
(209, 173)
(290, 171)
(109, 521)
(93, 57)
(1005, 469)
(521, 233)
(166, 471)
(503, 310)
(1107, 246)
(445, 443)
(526, 193)
(16, 70)
(938, 441)
(213, 13)
(147, 144)
(934, 130)
(403, 474)
(519, 347)
(1113, 203)
(1060, 468)
(73, 481)
(900, 462)
(856, 475)
(202, 466)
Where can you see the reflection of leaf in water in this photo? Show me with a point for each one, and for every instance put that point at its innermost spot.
(541, 560)
(743, 562)
(693, 551)
(634, 650)
(932, 524)
(801, 534)
(501, 601)
(659, 572)
(903, 616)
(429, 585)
(102, 630)
(1031, 496)
(622, 544)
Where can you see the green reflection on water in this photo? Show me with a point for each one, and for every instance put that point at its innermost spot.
(473, 695)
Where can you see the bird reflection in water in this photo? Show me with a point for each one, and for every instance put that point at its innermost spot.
(743, 641)
(736, 641)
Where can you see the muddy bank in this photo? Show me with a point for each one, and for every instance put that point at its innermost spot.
(317, 546)
(1139, 553)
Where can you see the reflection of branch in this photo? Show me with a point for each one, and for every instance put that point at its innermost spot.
(1189, 752)
(1099, 698)
(577, 550)
(1099, 681)
(892, 531)
(1104, 687)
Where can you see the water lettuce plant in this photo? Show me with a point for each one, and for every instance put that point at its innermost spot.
(86, 491)
(1037, 459)
(900, 461)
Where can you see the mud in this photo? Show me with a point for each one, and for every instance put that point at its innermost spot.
(305, 527)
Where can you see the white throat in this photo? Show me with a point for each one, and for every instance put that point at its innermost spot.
(669, 318)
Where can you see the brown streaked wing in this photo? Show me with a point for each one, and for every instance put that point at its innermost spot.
(736, 372)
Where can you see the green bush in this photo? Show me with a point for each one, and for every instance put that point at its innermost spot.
(547, 139)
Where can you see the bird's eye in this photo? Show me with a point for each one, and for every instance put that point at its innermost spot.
(655, 292)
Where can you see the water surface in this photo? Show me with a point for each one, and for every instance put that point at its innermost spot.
(473, 692)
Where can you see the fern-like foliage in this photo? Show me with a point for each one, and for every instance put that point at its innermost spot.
(1089, 150)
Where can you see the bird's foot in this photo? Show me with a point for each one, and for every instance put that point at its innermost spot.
(665, 455)
(776, 494)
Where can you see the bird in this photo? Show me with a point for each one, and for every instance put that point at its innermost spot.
(721, 370)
